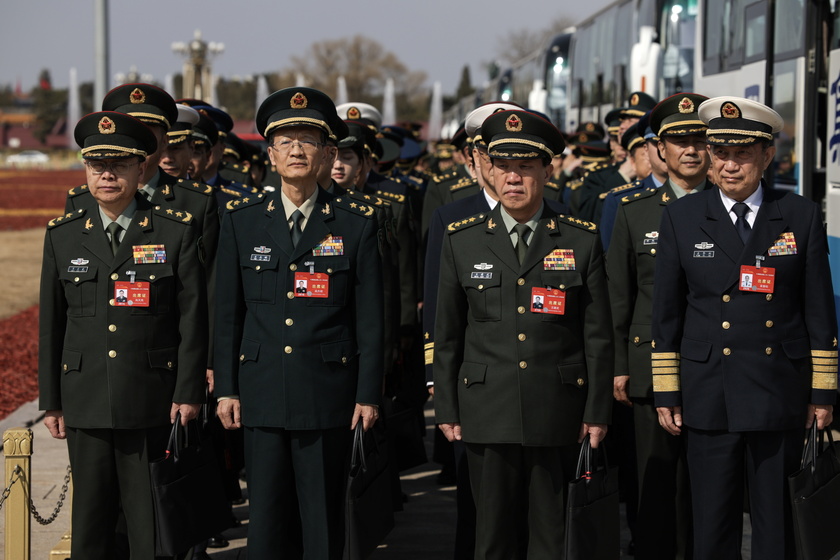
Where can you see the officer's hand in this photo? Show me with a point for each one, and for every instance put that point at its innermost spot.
(228, 411)
(54, 421)
(670, 418)
(597, 433)
(620, 389)
(452, 431)
(824, 414)
(210, 381)
(431, 389)
(368, 413)
(188, 412)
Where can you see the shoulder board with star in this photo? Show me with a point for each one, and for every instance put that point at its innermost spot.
(577, 222)
(553, 186)
(181, 216)
(366, 198)
(622, 188)
(467, 222)
(596, 166)
(462, 182)
(646, 193)
(441, 177)
(76, 191)
(348, 204)
(196, 186)
(393, 196)
(574, 185)
(245, 201)
(231, 192)
(68, 217)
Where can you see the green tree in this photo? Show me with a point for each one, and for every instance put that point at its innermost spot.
(465, 85)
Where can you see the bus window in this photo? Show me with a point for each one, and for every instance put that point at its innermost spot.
(723, 37)
(789, 29)
(756, 32)
(677, 37)
(786, 166)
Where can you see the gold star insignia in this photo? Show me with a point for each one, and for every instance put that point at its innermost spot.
(472, 219)
(367, 197)
(169, 210)
(237, 203)
(179, 214)
(246, 199)
(68, 214)
(270, 206)
(426, 336)
(195, 184)
(89, 225)
(353, 205)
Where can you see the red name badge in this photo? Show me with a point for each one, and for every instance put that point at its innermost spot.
(312, 285)
(546, 300)
(128, 294)
(754, 279)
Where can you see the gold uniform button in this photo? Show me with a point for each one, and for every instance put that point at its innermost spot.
(242, 358)
(329, 271)
(76, 279)
(287, 349)
(293, 267)
(257, 267)
(726, 351)
(768, 350)
(169, 364)
(769, 297)
(768, 324)
(151, 276)
(112, 328)
(344, 359)
(481, 286)
(653, 251)
(290, 295)
(520, 310)
(65, 367)
(562, 286)
(112, 353)
(523, 364)
(522, 336)
(636, 339)
(465, 381)
(726, 298)
(111, 302)
(521, 281)
(580, 382)
(726, 325)
(290, 322)
(115, 276)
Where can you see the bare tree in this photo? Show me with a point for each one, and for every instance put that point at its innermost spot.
(520, 43)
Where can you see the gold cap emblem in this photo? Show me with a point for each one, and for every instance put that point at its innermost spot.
(107, 126)
(137, 96)
(730, 111)
(590, 127)
(634, 99)
(299, 101)
(584, 137)
(353, 113)
(686, 106)
(513, 124)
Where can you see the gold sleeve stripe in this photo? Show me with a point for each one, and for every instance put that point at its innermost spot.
(665, 370)
(666, 383)
(825, 361)
(825, 369)
(666, 363)
(429, 353)
(665, 356)
(826, 381)
(824, 353)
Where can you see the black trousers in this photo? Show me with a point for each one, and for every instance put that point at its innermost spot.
(111, 467)
(717, 461)
(296, 481)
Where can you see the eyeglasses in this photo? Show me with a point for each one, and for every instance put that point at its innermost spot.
(117, 167)
(286, 144)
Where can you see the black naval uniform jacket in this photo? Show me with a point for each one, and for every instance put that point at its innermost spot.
(509, 375)
(631, 259)
(736, 360)
(107, 366)
(298, 363)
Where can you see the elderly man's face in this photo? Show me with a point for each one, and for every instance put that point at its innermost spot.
(737, 170)
(297, 152)
(519, 183)
(114, 181)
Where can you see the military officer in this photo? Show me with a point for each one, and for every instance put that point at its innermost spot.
(740, 368)
(298, 372)
(176, 154)
(664, 516)
(520, 387)
(113, 374)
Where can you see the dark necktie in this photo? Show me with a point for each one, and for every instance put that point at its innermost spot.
(521, 244)
(113, 230)
(742, 226)
(296, 231)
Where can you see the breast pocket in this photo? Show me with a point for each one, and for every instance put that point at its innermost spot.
(161, 281)
(484, 296)
(259, 277)
(567, 281)
(645, 256)
(80, 291)
(338, 273)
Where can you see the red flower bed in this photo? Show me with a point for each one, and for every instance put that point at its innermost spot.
(31, 198)
(18, 360)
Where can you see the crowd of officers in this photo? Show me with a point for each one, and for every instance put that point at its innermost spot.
(542, 287)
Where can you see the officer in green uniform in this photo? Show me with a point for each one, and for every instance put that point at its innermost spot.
(113, 374)
(298, 371)
(177, 152)
(663, 525)
(520, 385)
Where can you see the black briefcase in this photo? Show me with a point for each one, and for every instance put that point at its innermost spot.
(189, 498)
(592, 510)
(814, 495)
(369, 514)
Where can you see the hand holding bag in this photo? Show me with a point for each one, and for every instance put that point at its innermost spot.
(189, 499)
(592, 510)
(814, 497)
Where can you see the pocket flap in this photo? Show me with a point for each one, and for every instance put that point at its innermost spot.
(258, 261)
(481, 280)
(152, 273)
(695, 350)
(472, 372)
(560, 279)
(330, 265)
(78, 274)
(640, 334)
(163, 358)
(71, 360)
(573, 374)
(249, 350)
(797, 348)
(341, 351)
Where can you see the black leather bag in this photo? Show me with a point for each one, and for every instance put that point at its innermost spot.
(814, 497)
(592, 510)
(369, 515)
(189, 499)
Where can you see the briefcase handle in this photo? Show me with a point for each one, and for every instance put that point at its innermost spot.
(814, 445)
(587, 461)
(175, 445)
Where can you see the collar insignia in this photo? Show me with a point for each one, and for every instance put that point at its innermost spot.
(491, 224)
(145, 222)
(88, 224)
(270, 206)
(326, 209)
